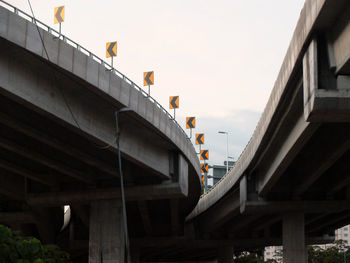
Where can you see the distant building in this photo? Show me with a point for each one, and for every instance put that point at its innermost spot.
(343, 234)
(220, 170)
(340, 234)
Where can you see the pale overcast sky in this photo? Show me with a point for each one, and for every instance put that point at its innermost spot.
(221, 57)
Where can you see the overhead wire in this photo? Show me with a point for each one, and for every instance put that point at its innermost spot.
(54, 74)
(104, 147)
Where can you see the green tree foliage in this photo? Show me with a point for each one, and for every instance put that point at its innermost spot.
(337, 253)
(17, 249)
(248, 258)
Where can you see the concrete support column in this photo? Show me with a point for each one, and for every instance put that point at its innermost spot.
(106, 237)
(294, 249)
(225, 255)
(135, 255)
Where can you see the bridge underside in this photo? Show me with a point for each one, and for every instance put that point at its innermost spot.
(57, 148)
(295, 190)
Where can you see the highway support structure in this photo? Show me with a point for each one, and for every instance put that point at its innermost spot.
(294, 248)
(106, 235)
(225, 254)
(58, 148)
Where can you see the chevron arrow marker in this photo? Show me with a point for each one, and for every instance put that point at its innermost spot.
(110, 49)
(59, 14)
(148, 78)
(174, 102)
(190, 122)
(204, 168)
(204, 155)
(200, 138)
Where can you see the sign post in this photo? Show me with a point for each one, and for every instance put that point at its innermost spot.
(190, 124)
(204, 167)
(199, 140)
(59, 16)
(174, 103)
(148, 80)
(204, 154)
(111, 50)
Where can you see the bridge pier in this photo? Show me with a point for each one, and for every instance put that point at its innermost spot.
(294, 248)
(225, 255)
(106, 237)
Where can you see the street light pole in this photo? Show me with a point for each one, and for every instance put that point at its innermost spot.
(223, 132)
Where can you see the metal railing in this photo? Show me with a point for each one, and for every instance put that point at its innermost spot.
(74, 44)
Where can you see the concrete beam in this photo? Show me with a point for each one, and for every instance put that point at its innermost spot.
(267, 223)
(17, 217)
(278, 207)
(106, 234)
(338, 184)
(320, 163)
(12, 186)
(175, 216)
(321, 225)
(222, 212)
(42, 159)
(294, 246)
(239, 243)
(183, 174)
(146, 220)
(132, 193)
(46, 180)
(53, 94)
(326, 96)
(241, 224)
(340, 39)
(82, 212)
(286, 153)
(225, 254)
(56, 144)
(45, 225)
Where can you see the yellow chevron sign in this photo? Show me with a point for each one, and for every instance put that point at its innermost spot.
(111, 49)
(148, 78)
(58, 14)
(174, 102)
(204, 168)
(204, 155)
(190, 122)
(199, 138)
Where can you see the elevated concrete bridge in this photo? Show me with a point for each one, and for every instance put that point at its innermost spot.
(290, 186)
(58, 147)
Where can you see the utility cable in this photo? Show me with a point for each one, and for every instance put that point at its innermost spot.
(54, 74)
(122, 185)
(41, 38)
(126, 234)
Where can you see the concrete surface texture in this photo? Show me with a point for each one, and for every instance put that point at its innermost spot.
(289, 186)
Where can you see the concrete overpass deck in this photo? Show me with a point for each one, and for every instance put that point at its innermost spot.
(290, 185)
(57, 146)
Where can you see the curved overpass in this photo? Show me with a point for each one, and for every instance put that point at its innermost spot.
(57, 145)
(290, 185)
